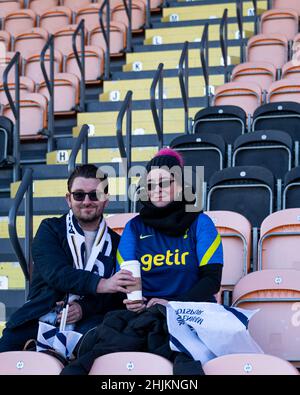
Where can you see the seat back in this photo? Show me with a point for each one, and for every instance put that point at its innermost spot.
(284, 90)
(5, 40)
(260, 73)
(29, 363)
(291, 70)
(131, 363)
(7, 7)
(63, 39)
(75, 5)
(31, 42)
(242, 94)
(235, 231)
(293, 4)
(55, 18)
(138, 11)
(291, 192)
(6, 141)
(90, 15)
(270, 48)
(247, 190)
(117, 38)
(117, 222)
(40, 6)
(275, 327)
(32, 67)
(249, 365)
(19, 21)
(279, 241)
(280, 20)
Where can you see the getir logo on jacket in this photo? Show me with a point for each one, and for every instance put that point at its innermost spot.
(170, 258)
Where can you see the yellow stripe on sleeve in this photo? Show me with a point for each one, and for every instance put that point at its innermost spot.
(211, 250)
(119, 258)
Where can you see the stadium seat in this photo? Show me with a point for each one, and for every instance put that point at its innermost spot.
(94, 64)
(56, 18)
(117, 222)
(26, 86)
(4, 61)
(33, 112)
(75, 5)
(283, 116)
(90, 14)
(291, 70)
(117, 38)
(206, 150)
(66, 92)
(270, 48)
(278, 21)
(31, 42)
(7, 7)
(63, 39)
(248, 190)
(235, 231)
(6, 141)
(29, 363)
(40, 6)
(131, 363)
(249, 365)
(293, 4)
(284, 90)
(275, 327)
(32, 65)
(19, 21)
(118, 14)
(279, 240)
(260, 73)
(247, 95)
(228, 121)
(259, 148)
(5, 39)
(291, 191)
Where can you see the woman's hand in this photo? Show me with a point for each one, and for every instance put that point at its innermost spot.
(154, 301)
(136, 307)
(116, 283)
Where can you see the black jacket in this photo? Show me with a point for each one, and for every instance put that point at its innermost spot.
(54, 276)
(128, 331)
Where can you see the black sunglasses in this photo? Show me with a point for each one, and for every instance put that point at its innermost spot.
(80, 196)
(163, 184)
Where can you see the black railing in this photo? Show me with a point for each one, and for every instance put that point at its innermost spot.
(125, 151)
(80, 143)
(224, 43)
(148, 14)
(256, 20)
(24, 258)
(183, 74)
(15, 108)
(204, 58)
(128, 10)
(50, 86)
(80, 60)
(240, 22)
(106, 36)
(158, 114)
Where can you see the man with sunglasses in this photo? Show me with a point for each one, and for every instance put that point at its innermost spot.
(74, 263)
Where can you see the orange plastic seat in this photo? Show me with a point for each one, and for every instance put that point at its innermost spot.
(280, 21)
(5, 39)
(291, 70)
(56, 18)
(275, 327)
(31, 42)
(75, 5)
(249, 365)
(29, 363)
(7, 7)
(118, 14)
(117, 38)
(131, 363)
(117, 222)
(293, 4)
(270, 48)
(32, 66)
(40, 6)
(90, 15)
(242, 94)
(63, 39)
(279, 240)
(19, 21)
(260, 72)
(26, 86)
(285, 90)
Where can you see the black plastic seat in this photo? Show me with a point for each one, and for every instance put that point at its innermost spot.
(291, 191)
(247, 190)
(6, 140)
(261, 147)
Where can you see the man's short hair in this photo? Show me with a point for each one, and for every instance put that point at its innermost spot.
(87, 171)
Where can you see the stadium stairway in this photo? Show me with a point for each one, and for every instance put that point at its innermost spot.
(181, 21)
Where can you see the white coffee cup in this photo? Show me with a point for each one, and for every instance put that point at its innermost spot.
(136, 290)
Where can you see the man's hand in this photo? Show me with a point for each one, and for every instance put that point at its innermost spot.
(155, 301)
(136, 307)
(74, 313)
(116, 283)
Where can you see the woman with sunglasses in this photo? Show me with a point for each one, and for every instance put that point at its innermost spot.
(180, 250)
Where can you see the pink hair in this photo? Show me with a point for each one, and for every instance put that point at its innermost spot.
(171, 152)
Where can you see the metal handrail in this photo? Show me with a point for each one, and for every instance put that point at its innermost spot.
(81, 141)
(183, 74)
(148, 14)
(239, 15)
(24, 258)
(128, 10)
(15, 108)
(80, 62)
(204, 58)
(256, 20)
(106, 36)
(224, 42)
(125, 153)
(50, 86)
(158, 116)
